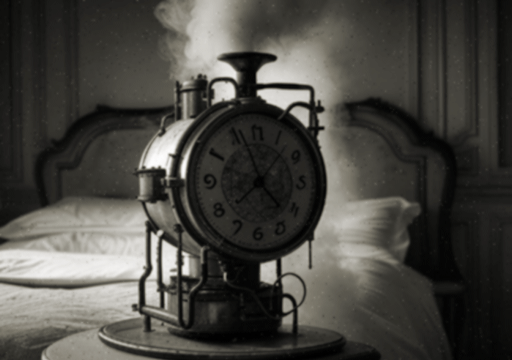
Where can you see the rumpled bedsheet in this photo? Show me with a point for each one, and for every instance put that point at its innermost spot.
(33, 318)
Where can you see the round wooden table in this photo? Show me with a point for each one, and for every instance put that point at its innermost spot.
(126, 340)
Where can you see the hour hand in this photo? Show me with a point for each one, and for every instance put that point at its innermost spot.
(271, 196)
(238, 201)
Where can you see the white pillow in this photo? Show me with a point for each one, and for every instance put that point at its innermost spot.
(79, 241)
(78, 214)
(41, 268)
(84, 242)
(372, 228)
(81, 225)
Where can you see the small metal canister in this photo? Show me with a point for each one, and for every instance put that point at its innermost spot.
(193, 97)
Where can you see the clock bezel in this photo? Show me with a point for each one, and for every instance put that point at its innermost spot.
(190, 197)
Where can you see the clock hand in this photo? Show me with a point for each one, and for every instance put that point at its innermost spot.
(250, 154)
(273, 162)
(266, 172)
(238, 201)
(258, 183)
(271, 196)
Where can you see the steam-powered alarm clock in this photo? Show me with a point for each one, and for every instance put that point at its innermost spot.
(243, 177)
(231, 185)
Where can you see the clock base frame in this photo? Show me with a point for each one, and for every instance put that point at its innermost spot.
(308, 343)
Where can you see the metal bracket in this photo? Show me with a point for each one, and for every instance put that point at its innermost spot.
(172, 182)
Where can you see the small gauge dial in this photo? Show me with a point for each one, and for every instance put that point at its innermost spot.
(255, 182)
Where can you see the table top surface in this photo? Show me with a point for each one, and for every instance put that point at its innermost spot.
(87, 345)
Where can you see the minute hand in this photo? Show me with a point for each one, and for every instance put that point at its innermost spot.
(273, 162)
(250, 154)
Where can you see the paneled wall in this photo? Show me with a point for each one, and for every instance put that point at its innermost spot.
(60, 58)
(15, 106)
(458, 95)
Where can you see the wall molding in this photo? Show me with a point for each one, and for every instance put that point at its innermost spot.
(11, 164)
(414, 60)
(71, 21)
(469, 76)
(483, 193)
(61, 52)
(466, 229)
(55, 72)
(468, 161)
(39, 75)
(448, 75)
(497, 224)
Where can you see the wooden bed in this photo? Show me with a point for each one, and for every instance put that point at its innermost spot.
(382, 152)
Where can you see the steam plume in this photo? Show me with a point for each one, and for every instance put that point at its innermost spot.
(305, 35)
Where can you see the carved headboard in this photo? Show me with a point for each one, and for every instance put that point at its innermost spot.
(98, 154)
(408, 162)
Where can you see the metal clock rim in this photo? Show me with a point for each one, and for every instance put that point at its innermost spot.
(174, 193)
(231, 249)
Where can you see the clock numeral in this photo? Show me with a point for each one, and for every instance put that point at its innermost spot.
(238, 225)
(235, 138)
(218, 210)
(257, 130)
(210, 181)
(278, 137)
(216, 154)
(295, 157)
(242, 137)
(302, 183)
(280, 228)
(294, 209)
(257, 234)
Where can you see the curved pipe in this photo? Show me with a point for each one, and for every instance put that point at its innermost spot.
(142, 281)
(313, 110)
(165, 316)
(295, 320)
(159, 281)
(160, 314)
(295, 104)
(253, 296)
(193, 293)
(225, 79)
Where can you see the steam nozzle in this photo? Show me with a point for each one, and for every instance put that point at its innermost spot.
(247, 65)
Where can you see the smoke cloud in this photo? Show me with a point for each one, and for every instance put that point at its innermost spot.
(307, 36)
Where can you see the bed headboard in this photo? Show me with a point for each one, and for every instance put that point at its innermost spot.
(98, 154)
(402, 159)
(380, 151)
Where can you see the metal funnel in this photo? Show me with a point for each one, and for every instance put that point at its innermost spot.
(246, 65)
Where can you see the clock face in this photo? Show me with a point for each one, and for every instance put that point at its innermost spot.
(255, 182)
